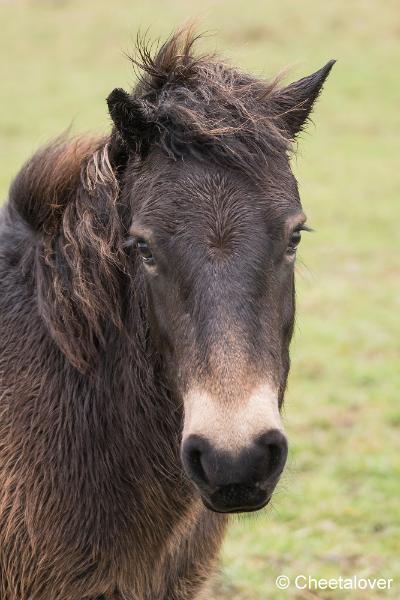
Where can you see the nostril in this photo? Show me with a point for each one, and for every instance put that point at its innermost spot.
(276, 459)
(258, 465)
(194, 452)
(196, 468)
(277, 449)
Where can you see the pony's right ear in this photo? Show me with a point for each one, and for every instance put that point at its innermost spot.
(132, 118)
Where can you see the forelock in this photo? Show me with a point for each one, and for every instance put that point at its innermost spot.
(200, 105)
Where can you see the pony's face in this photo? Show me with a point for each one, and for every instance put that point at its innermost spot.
(218, 254)
(216, 221)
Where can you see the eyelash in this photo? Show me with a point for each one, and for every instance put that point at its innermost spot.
(295, 239)
(305, 227)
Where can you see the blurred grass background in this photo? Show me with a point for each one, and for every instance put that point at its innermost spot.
(337, 511)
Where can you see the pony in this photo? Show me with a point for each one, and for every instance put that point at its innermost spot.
(147, 304)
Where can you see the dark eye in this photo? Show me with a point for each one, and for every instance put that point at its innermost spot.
(294, 242)
(145, 252)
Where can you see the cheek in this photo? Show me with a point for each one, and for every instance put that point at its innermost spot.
(275, 326)
(168, 319)
(159, 309)
(288, 311)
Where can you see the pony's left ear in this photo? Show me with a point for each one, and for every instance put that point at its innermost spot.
(132, 118)
(293, 104)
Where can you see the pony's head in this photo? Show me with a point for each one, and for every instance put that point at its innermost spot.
(216, 222)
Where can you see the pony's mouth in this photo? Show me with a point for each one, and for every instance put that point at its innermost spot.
(237, 498)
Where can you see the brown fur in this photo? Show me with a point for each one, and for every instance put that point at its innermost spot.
(94, 503)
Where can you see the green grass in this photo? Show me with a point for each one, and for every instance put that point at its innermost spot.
(337, 511)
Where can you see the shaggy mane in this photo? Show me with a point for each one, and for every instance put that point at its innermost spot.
(48, 180)
(68, 192)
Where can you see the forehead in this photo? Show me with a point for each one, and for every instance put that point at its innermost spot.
(168, 194)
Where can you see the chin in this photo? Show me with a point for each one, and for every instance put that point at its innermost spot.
(219, 504)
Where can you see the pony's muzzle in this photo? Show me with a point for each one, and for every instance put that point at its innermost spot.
(240, 481)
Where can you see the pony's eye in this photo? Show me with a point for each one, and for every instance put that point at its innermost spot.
(294, 242)
(145, 252)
